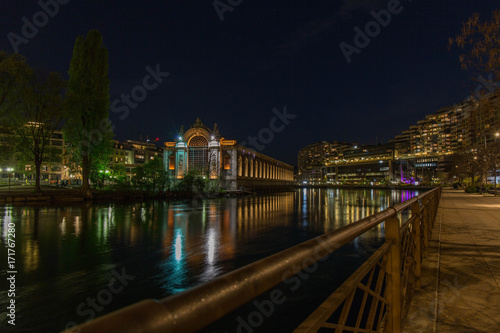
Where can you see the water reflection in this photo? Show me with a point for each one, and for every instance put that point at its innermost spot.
(65, 254)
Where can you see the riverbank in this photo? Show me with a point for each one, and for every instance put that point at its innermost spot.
(377, 187)
(24, 195)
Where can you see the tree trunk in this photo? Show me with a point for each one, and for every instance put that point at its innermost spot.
(85, 177)
(38, 165)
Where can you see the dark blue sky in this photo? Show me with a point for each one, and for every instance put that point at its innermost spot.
(263, 55)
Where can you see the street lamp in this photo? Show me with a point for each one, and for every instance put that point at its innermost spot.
(103, 173)
(9, 170)
(497, 134)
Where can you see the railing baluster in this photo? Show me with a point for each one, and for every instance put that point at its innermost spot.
(426, 230)
(394, 271)
(415, 211)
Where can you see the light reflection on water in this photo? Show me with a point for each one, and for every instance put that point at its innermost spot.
(66, 254)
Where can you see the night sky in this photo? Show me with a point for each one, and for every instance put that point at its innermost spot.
(263, 55)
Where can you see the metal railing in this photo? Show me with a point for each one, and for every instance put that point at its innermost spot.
(375, 297)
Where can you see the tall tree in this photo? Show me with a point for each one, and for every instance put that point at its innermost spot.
(14, 72)
(88, 129)
(39, 114)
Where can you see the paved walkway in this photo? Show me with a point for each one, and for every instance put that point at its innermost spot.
(461, 274)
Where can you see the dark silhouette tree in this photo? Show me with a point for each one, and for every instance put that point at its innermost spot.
(87, 128)
(14, 72)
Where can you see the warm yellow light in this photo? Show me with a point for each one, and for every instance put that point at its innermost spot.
(228, 142)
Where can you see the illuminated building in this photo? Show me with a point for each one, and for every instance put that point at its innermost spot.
(314, 157)
(440, 133)
(132, 153)
(426, 149)
(483, 120)
(52, 169)
(361, 164)
(206, 152)
(422, 152)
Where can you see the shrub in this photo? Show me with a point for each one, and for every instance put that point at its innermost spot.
(472, 189)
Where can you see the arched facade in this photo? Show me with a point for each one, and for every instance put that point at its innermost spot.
(263, 167)
(197, 150)
(206, 152)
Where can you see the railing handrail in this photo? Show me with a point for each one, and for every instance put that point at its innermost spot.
(202, 305)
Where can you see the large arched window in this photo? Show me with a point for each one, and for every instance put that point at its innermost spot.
(198, 153)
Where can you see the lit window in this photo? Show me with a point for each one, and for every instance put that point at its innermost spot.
(171, 163)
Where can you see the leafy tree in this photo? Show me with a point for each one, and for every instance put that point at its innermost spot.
(139, 177)
(151, 176)
(192, 182)
(88, 129)
(35, 119)
(482, 42)
(491, 158)
(100, 163)
(468, 165)
(14, 72)
(119, 174)
(8, 156)
(156, 174)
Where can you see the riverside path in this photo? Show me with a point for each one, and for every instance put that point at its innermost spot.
(461, 273)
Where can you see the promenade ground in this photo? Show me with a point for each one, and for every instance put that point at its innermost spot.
(461, 273)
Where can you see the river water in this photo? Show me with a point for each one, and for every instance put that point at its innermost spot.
(80, 261)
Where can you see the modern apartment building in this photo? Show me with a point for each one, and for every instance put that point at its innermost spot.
(314, 157)
(422, 152)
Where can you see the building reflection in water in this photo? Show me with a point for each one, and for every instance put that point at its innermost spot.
(174, 246)
(197, 237)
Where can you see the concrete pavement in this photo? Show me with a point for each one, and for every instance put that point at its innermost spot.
(461, 273)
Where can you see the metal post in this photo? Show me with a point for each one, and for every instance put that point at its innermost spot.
(394, 272)
(432, 207)
(426, 224)
(496, 179)
(495, 160)
(416, 211)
